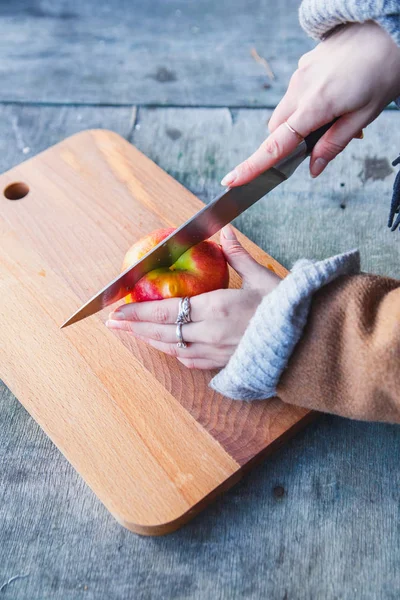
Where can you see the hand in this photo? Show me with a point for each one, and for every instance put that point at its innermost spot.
(352, 75)
(219, 318)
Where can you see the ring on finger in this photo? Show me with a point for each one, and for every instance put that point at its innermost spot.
(300, 137)
(181, 342)
(184, 311)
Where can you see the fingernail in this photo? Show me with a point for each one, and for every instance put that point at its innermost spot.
(228, 233)
(229, 178)
(111, 324)
(117, 314)
(318, 166)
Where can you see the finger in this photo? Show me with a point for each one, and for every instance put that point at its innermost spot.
(293, 97)
(279, 144)
(191, 352)
(215, 333)
(285, 108)
(335, 140)
(204, 363)
(216, 305)
(253, 274)
(157, 311)
(194, 356)
(309, 116)
(238, 258)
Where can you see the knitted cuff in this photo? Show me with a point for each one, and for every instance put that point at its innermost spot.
(317, 18)
(255, 368)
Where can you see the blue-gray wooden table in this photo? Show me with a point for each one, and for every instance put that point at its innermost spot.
(180, 79)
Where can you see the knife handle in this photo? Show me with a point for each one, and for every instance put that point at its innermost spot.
(314, 136)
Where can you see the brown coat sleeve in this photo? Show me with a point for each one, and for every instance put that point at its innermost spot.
(348, 360)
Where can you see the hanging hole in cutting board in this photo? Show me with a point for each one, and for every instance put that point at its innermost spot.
(16, 191)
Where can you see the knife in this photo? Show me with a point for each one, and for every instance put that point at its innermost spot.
(205, 223)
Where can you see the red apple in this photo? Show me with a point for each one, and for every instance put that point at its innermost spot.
(200, 269)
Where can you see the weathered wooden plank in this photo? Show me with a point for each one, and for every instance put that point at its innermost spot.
(175, 52)
(26, 131)
(320, 518)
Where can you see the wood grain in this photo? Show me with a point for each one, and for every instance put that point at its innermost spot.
(158, 52)
(149, 436)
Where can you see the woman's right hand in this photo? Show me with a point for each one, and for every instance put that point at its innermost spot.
(352, 76)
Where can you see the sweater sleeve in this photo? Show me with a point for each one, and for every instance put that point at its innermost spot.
(348, 360)
(318, 17)
(324, 340)
(276, 327)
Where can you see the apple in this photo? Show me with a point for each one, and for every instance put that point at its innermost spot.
(202, 268)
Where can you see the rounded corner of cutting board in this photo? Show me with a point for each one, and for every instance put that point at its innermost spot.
(158, 526)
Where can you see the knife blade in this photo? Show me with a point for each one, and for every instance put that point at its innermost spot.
(205, 223)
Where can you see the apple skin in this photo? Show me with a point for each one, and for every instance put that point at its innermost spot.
(202, 268)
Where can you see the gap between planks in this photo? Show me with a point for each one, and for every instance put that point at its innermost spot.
(391, 106)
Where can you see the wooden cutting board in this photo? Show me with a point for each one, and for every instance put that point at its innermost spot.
(147, 435)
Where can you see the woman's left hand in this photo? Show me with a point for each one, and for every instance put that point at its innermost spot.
(219, 318)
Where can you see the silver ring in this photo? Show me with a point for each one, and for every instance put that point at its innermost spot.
(293, 131)
(184, 311)
(181, 342)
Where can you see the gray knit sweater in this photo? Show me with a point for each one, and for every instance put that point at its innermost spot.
(318, 17)
(255, 368)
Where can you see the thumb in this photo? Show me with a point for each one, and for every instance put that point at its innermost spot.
(252, 273)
